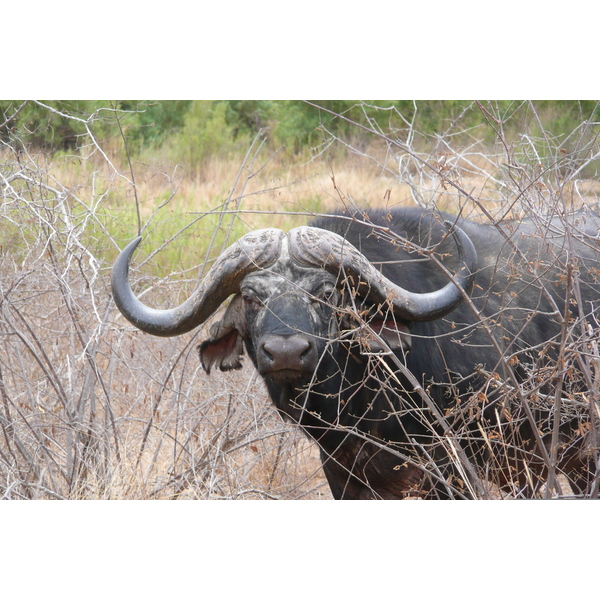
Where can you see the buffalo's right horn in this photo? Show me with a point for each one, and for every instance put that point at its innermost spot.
(314, 247)
(254, 251)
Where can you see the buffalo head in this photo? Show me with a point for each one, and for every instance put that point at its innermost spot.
(290, 293)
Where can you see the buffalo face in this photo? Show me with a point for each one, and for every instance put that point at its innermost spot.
(285, 315)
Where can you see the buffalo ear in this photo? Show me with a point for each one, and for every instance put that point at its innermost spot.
(225, 348)
(395, 334)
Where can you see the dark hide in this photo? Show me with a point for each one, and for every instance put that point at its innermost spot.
(382, 398)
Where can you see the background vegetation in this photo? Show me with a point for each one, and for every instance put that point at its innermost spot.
(195, 131)
(92, 408)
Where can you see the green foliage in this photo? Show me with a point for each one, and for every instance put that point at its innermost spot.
(190, 132)
(53, 125)
(248, 117)
(206, 132)
(297, 124)
(155, 121)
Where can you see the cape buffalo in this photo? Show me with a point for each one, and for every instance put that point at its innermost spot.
(418, 349)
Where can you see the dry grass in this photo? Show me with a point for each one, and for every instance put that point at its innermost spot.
(95, 409)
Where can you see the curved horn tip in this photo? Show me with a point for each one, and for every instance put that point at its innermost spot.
(121, 265)
(465, 245)
(133, 244)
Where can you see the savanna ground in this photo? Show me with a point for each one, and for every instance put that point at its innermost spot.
(91, 408)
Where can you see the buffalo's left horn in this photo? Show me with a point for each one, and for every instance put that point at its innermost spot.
(314, 247)
(254, 251)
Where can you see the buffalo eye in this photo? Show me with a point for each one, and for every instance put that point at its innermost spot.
(251, 301)
(326, 296)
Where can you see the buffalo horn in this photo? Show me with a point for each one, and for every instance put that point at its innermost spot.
(254, 251)
(314, 247)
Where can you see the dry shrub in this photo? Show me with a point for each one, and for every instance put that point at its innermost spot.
(531, 428)
(92, 408)
(89, 406)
